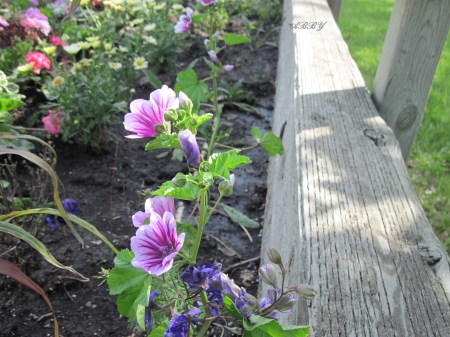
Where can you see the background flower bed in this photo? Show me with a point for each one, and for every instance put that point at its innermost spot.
(109, 184)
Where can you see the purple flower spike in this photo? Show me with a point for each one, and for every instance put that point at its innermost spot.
(228, 67)
(185, 22)
(190, 147)
(146, 115)
(156, 245)
(157, 205)
(207, 2)
(198, 277)
(213, 56)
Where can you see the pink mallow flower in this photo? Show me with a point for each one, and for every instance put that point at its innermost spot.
(156, 244)
(35, 2)
(185, 22)
(53, 121)
(33, 18)
(38, 60)
(146, 115)
(3, 23)
(207, 2)
(158, 205)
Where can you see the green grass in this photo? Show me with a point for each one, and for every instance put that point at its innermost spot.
(364, 24)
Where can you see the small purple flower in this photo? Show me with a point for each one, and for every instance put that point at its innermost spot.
(268, 274)
(146, 115)
(35, 2)
(185, 22)
(207, 2)
(228, 67)
(198, 277)
(158, 205)
(285, 303)
(148, 313)
(189, 145)
(179, 325)
(265, 303)
(156, 245)
(213, 56)
(52, 221)
(71, 206)
(229, 288)
(246, 303)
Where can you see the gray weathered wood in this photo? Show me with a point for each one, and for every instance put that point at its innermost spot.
(335, 6)
(340, 206)
(411, 52)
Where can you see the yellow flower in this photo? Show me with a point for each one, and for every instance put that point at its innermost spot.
(92, 39)
(85, 62)
(177, 7)
(160, 6)
(84, 45)
(50, 50)
(113, 51)
(95, 44)
(120, 8)
(132, 2)
(107, 46)
(137, 22)
(75, 68)
(25, 68)
(140, 63)
(76, 121)
(84, 2)
(58, 80)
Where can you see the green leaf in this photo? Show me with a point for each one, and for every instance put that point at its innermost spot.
(152, 79)
(133, 285)
(232, 39)
(230, 307)
(187, 192)
(265, 327)
(9, 102)
(256, 132)
(296, 330)
(160, 330)
(240, 218)
(272, 144)
(203, 118)
(188, 82)
(163, 141)
(220, 164)
(178, 154)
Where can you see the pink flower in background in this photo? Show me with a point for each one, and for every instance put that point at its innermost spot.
(3, 23)
(53, 121)
(39, 61)
(207, 2)
(146, 115)
(228, 67)
(35, 2)
(158, 205)
(185, 23)
(156, 245)
(56, 41)
(33, 18)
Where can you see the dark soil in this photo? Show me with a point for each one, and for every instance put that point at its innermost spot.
(109, 186)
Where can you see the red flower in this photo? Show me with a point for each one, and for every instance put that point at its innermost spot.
(38, 60)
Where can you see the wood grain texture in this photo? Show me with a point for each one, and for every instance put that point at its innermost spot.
(411, 52)
(340, 206)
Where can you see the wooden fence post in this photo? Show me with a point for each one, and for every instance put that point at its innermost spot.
(335, 6)
(411, 53)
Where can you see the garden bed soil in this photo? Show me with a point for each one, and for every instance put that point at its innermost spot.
(109, 185)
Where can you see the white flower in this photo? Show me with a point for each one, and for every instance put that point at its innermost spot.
(115, 65)
(150, 39)
(84, 45)
(72, 48)
(123, 49)
(140, 63)
(149, 27)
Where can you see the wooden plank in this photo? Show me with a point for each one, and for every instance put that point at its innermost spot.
(411, 52)
(340, 206)
(335, 6)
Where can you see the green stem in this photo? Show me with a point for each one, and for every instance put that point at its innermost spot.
(203, 217)
(216, 126)
(205, 302)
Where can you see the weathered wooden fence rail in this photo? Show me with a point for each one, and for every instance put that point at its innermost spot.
(340, 206)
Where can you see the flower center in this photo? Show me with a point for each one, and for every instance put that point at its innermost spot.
(166, 250)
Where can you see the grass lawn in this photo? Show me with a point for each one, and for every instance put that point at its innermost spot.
(364, 24)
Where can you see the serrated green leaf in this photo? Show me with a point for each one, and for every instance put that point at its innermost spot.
(240, 218)
(272, 144)
(232, 39)
(152, 78)
(256, 132)
(187, 192)
(188, 82)
(230, 307)
(220, 164)
(160, 330)
(133, 285)
(203, 118)
(163, 141)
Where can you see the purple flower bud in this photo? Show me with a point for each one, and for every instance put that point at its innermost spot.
(71, 206)
(274, 256)
(190, 147)
(228, 67)
(151, 305)
(206, 42)
(268, 274)
(286, 303)
(207, 2)
(246, 303)
(304, 290)
(213, 56)
(226, 186)
(229, 288)
(52, 221)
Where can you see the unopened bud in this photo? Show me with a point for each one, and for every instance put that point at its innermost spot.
(286, 303)
(160, 128)
(180, 179)
(171, 116)
(274, 256)
(226, 186)
(268, 274)
(185, 102)
(304, 290)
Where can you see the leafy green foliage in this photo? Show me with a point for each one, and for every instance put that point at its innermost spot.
(133, 285)
(187, 192)
(240, 218)
(163, 141)
(265, 327)
(220, 164)
(233, 39)
(269, 142)
(195, 89)
(152, 78)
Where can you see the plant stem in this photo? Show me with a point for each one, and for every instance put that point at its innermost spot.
(205, 302)
(216, 126)
(203, 217)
